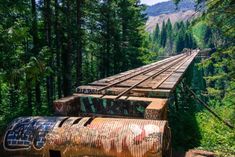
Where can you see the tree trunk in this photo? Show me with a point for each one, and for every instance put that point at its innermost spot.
(108, 45)
(49, 81)
(38, 96)
(0, 94)
(35, 50)
(11, 96)
(29, 98)
(58, 48)
(28, 82)
(67, 55)
(124, 42)
(79, 42)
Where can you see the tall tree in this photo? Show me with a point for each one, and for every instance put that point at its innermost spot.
(124, 16)
(163, 34)
(35, 51)
(156, 34)
(57, 28)
(67, 52)
(132, 32)
(47, 25)
(180, 41)
(79, 41)
(169, 39)
(48, 51)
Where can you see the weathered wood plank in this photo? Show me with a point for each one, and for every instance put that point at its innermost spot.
(165, 82)
(144, 92)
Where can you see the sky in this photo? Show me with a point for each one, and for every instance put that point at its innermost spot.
(151, 2)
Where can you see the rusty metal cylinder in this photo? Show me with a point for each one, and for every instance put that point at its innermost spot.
(86, 136)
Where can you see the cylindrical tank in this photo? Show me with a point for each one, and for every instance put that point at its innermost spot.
(86, 136)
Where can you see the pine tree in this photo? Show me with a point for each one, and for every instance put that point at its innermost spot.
(163, 35)
(57, 29)
(156, 34)
(35, 52)
(135, 30)
(180, 41)
(48, 27)
(80, 13)
(169, 40)
(67, 52)
(50, 54)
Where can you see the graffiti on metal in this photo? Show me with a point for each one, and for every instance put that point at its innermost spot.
(134, 137)
(88, 91)
(93, 105)
(25, 133)
(77, 136)
(108, 106)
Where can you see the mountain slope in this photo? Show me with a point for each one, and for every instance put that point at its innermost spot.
(168, 10)
(169, 7)
(174, 17)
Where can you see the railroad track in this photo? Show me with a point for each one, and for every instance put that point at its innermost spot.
(142, 72)
(148, 73)
(166, 67)
(151, 77)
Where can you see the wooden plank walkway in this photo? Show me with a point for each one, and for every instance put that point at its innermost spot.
(139, 93)
(160, 78)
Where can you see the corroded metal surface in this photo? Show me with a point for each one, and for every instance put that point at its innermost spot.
(134, 107)
(77, 136)
(82, 105)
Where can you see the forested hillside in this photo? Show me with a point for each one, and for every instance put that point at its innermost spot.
(49, 47)
(175, 17)
(170, 39)
(160, 12)
(214, 79)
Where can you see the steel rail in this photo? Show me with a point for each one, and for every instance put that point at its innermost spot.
(139, 73)
(150, 76)
(141, 68)
(166, 77)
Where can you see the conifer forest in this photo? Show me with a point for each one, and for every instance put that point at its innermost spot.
(50, 47)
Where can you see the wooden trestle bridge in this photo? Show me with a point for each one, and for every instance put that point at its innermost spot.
(121, 115)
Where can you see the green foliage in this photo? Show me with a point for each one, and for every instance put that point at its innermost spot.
(215, 136)
(163, 34)
(156, 34)
(221, 79)
(185, 132)
(180, 41)
(191, 125)
(169, 40)
(184, 126)
(39, 45)
(47, 48)
(222, 11)
(202, 34)
(215, 29)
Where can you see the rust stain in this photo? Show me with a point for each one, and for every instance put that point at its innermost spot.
(77, 136)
